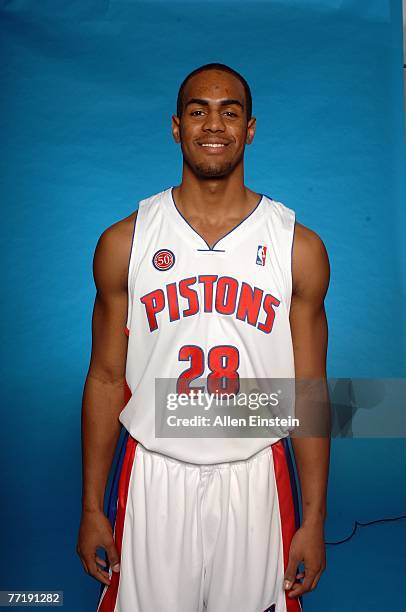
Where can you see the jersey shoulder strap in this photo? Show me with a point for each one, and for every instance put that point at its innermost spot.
(149, 215)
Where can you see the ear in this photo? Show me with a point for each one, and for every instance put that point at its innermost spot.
(252, 124)
(176, 128)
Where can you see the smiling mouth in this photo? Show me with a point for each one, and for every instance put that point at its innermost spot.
(213, 146)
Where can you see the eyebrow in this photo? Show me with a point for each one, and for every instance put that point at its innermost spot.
(226, 102)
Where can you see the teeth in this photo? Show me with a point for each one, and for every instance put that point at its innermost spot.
(213, 145)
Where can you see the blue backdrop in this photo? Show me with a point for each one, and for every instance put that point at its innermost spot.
(88, 88)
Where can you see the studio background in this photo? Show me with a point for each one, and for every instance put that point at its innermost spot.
(88, 89)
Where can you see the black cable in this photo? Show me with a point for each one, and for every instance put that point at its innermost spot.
(358, 524)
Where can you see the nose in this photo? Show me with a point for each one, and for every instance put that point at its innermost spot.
(214, 122)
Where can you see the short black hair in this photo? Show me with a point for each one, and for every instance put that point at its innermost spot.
(223, 68)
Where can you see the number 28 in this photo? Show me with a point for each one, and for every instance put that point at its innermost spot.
(222, 361)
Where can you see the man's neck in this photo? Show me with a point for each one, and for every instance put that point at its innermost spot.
(214, 199)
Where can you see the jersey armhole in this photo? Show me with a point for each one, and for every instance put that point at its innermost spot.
(129, 276)
(290, 267)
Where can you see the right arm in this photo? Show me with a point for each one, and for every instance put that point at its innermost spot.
(103, 395)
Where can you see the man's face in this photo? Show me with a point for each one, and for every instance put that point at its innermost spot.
(213, 129)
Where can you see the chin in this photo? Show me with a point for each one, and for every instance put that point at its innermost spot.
(213, 171)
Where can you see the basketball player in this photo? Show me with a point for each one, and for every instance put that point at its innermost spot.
(206, 279)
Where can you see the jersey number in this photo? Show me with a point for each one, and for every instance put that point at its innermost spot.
(223, 362)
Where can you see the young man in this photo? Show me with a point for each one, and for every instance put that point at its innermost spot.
(210, 281)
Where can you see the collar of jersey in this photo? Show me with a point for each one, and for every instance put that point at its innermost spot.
(197, 240)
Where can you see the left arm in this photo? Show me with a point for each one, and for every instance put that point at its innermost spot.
(310, 278)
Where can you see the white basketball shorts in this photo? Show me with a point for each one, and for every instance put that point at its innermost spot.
(201, 538)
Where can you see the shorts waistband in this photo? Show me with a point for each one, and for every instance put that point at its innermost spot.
(207, 467)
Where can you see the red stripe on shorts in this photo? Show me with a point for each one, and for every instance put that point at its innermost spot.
(110, 596)
(286, 510)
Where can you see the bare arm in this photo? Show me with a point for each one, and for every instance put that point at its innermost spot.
(103, 395)
(311, 274)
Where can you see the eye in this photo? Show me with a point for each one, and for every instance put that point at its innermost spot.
(231, 114)
(196, 113)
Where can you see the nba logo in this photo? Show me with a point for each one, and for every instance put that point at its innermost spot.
(261, 255)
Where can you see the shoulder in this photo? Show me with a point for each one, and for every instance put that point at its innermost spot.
(310, 263)
(112, 253)
(117, 236)
(117, 239)
(306, 241)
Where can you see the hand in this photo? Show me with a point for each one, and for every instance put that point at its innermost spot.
(95, 532)
(307, 546)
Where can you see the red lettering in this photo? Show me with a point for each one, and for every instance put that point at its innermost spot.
(154, 302)
(249, 304)
(226, 295)
(269, 302)
(190, 295)
(208, 281)
(172, 294)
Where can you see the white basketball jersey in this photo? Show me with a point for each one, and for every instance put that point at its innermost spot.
(196, 312)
